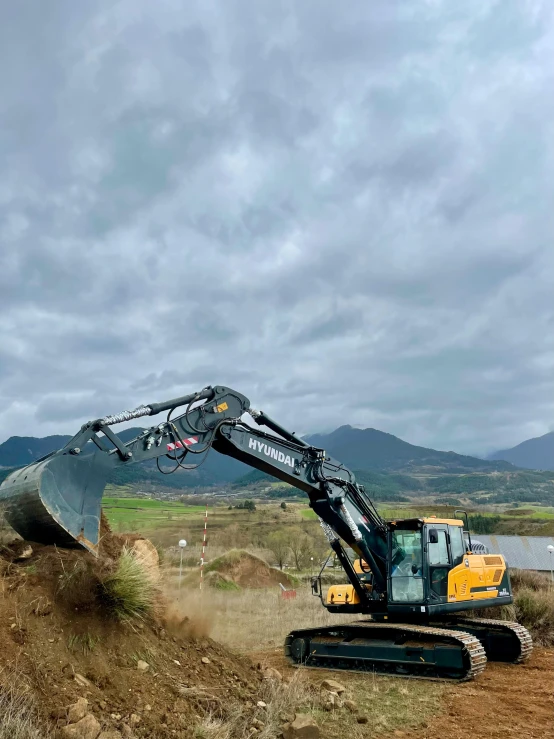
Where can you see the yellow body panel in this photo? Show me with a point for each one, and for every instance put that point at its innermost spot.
(481, 571)
(342, 595)
(448, 521)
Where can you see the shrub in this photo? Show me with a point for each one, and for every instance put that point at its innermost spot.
(529, 579)
(129, 592)
(533, 605)
(535, 610)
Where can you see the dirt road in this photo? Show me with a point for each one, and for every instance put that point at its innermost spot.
(505, 701)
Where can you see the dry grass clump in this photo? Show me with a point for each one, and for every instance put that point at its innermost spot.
(129, 592)
(528, 579)
(18, 715)
(534, 609)
(387, 704)
(282, 699)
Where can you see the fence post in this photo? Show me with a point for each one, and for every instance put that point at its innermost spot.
(203, 546)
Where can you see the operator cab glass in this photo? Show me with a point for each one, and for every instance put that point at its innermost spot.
(407, 567)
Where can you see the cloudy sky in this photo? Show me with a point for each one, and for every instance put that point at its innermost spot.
(343, 211)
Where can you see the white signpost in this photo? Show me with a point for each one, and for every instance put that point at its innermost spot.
(182, 544)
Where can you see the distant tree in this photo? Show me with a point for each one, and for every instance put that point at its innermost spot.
(279, 544)
(301, 547)
(284, 506)
(249, 505)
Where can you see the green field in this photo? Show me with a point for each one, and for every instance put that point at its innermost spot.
(147, 513)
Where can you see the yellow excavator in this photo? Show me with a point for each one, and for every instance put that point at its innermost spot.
(416, 581)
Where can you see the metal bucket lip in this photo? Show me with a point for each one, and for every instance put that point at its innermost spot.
(30, 506)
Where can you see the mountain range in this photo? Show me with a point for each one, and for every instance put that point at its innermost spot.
(391, 469)
(533, 454)
(360, 449)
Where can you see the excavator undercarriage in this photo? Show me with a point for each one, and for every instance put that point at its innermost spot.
(456, 650)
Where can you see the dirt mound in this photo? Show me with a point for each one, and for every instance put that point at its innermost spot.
(247, 570)
(155, 677)
(219, 581)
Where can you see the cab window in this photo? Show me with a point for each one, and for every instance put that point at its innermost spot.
(406, 572)
(457, 544)
(438, 552)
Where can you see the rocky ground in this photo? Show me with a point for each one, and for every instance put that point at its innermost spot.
(90, 676)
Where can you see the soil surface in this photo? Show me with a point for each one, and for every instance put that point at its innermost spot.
(61, 645)
(504, 701)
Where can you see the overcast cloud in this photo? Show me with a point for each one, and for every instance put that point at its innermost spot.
(344, 211)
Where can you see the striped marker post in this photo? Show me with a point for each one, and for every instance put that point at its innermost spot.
(203, 546)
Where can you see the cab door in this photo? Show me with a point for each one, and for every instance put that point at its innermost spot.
(439, 562)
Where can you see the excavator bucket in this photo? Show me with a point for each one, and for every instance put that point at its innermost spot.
(56, 500)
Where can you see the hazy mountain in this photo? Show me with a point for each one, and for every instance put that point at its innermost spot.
(533, 454)
(19, 451)
(370, 449)
(359, 449)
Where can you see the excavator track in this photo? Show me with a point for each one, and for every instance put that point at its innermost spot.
(503, 641)
(403, 650)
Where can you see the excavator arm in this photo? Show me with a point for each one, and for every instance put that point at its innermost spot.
(57, 499)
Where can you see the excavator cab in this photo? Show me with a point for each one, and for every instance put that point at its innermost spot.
(433, 570)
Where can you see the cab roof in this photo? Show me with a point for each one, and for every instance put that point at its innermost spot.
(415, 523)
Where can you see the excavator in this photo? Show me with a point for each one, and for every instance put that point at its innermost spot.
(414, 582)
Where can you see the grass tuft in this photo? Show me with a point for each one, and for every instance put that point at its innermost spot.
(129, 592)
(18, 715)
(84, 643)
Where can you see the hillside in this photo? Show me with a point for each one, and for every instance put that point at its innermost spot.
(522, 486)
(370, 449)
(533, 454)
(18, 451)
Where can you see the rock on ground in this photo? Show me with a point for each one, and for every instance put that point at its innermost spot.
(87, 728)
(77, 711)
(272, 674)
(303, 727)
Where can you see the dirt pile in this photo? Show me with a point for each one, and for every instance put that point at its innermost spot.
(152, 677)
(246, 570)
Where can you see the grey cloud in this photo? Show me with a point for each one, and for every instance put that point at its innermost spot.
(347, 216)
